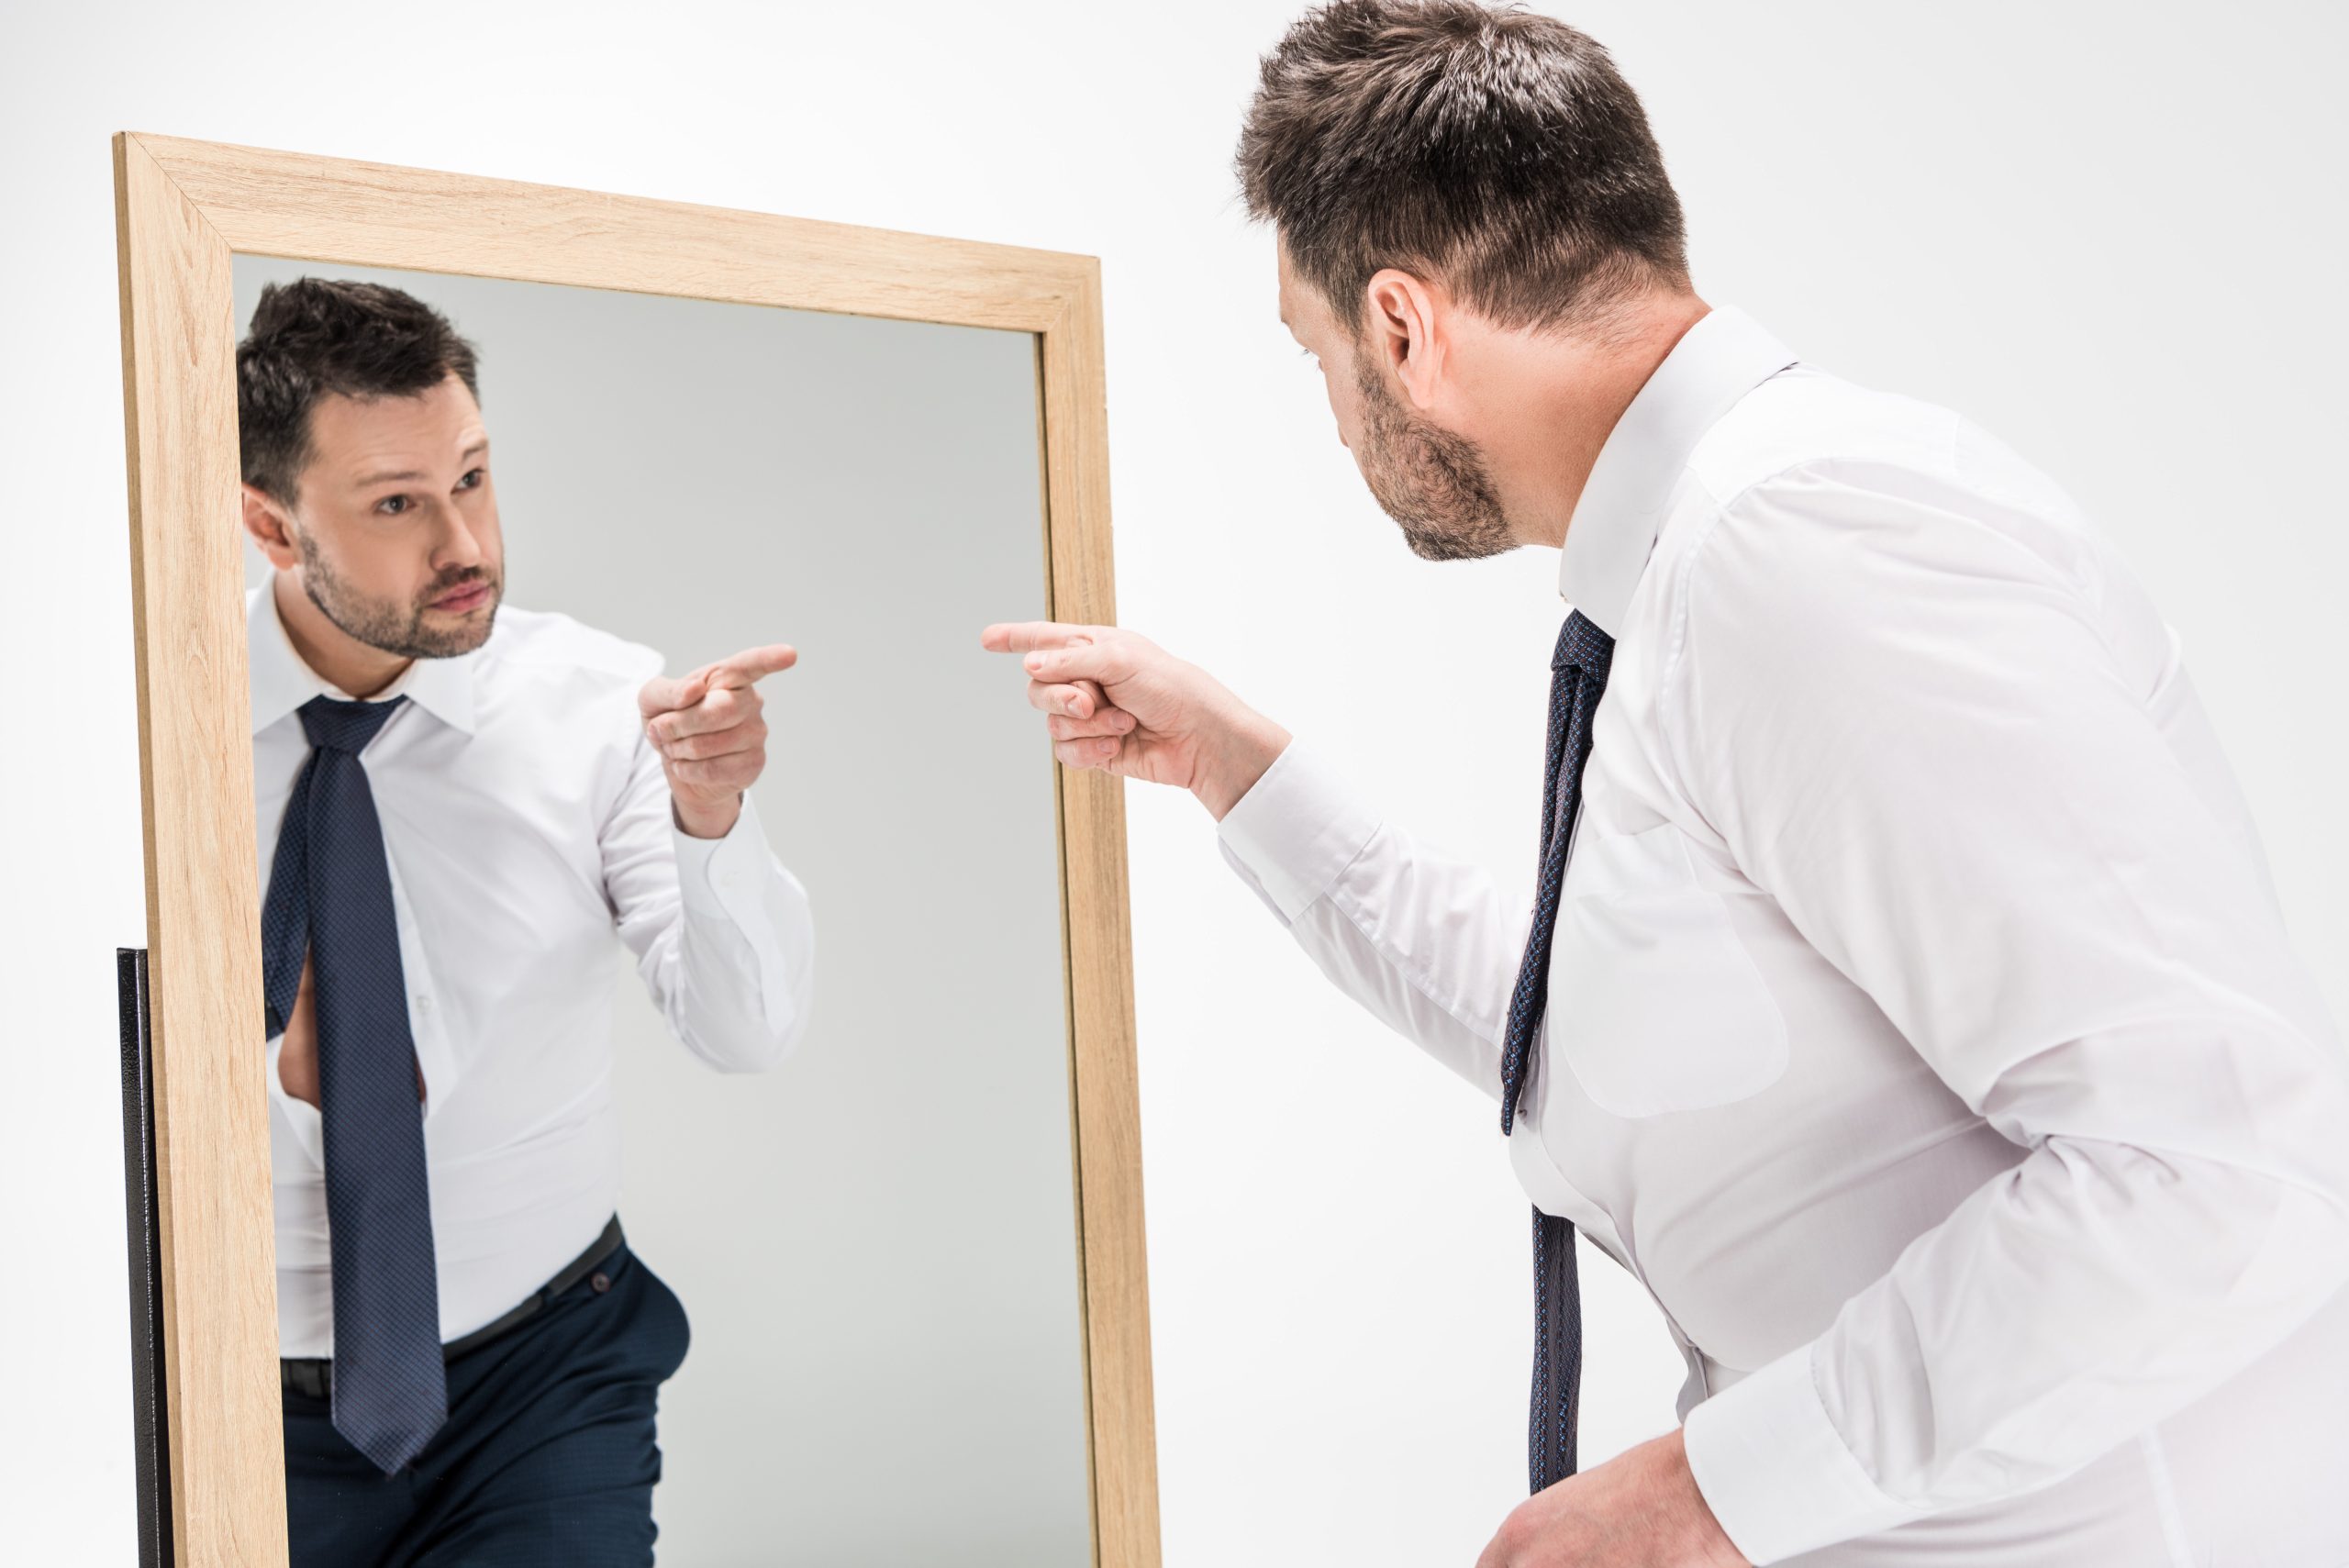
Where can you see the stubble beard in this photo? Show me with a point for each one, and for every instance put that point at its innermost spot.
(399, 629)
(1432, 482)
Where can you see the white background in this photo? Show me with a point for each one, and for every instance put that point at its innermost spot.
(2109, 232)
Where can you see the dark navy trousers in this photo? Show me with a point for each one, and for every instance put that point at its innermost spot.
(547, 1457)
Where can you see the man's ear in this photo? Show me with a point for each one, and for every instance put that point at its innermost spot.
(1406, 333)
(266, 521)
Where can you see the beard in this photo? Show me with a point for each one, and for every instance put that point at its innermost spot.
(1432, 482)
(395, 628)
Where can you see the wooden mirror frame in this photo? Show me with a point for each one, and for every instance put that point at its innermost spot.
(182, 209)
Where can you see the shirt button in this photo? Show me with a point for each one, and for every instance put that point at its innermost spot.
(601, 1281)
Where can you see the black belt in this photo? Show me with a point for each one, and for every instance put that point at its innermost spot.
(313, 1377)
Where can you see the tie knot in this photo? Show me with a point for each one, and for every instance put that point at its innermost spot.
(1582, 646)
(345, 725)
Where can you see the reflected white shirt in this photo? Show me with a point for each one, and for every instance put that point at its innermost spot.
(528, 825)
(1922, 1030)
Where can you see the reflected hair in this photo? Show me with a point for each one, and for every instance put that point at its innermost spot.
(317, 338)
(1496, 150)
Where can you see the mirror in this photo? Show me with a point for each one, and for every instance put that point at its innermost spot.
(849, 1062)
(871, 1238)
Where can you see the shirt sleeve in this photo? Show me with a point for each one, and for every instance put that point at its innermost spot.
(722, 933)
(1902, 708)
(1424, 941)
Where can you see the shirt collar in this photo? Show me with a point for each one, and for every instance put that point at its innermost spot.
(1724, 356)
(282, 682)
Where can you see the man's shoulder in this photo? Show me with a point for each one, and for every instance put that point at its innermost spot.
(1815, 501)
(1805, 419)
(1807, 424)
(549, 644)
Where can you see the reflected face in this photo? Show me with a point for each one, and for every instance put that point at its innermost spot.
(396, 522)
(1434, 482)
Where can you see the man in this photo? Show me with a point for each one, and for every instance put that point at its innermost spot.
(1904, 1001)
(460, 813)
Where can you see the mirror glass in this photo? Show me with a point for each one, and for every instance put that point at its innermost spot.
(873, 1237)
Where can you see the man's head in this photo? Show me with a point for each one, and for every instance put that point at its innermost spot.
(1456, 189)
(366, 465)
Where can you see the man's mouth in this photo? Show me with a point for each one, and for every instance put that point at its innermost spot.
(465, 596)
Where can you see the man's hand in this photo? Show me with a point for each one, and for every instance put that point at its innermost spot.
(1119, 702)
(712, 740)
(1640, 1509)
(298, 1053)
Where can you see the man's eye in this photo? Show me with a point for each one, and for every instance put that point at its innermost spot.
(471, 481)
(393, 506)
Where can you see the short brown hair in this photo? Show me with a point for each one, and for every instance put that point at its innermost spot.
(1497, 148)
(315, 338)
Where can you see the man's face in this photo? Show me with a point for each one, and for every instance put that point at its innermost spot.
(396, 522)
(1432, 481)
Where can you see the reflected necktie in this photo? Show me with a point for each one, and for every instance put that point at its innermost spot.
(330, 895)
(1578, 679)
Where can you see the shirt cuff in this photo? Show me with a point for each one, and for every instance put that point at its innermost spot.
(720, 877)
(1297, 829)
(1775, 1472)
(726, 879)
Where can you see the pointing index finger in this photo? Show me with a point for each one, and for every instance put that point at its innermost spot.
(1026, 637)
(750, 666)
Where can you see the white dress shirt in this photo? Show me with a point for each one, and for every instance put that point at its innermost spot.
(529, 827)
(1922, 1030)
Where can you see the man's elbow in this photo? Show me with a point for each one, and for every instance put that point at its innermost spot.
(766, 1043)
(741, 1039)
(2330, 1184)
(2308, 1173)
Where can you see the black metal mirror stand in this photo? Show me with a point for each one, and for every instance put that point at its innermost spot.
(144, 1230)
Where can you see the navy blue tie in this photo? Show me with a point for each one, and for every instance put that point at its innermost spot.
(1577, 680)
(330, 896)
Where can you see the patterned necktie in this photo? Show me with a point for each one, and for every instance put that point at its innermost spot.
(330, 896)
(1578, 679)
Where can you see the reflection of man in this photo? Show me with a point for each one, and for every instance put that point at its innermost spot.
(1923, 1031)
(459, 814)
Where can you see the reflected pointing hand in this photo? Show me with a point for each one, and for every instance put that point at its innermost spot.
(712, 739)
(1115, 701)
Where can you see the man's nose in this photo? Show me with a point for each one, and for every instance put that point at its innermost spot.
(458, 545)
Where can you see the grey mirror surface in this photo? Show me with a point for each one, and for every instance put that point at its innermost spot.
(875, 1242)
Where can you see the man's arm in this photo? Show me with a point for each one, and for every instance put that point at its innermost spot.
(1421, 941)
(721, 931)
(1903, 709)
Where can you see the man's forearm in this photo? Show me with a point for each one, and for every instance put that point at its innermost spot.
(1246, 744)
(706, 821)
